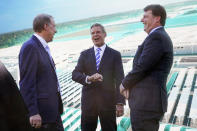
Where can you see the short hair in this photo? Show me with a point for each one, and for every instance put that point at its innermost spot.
(40, 20)
(157, 10)
(97, 24)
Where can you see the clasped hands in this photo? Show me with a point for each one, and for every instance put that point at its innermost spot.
(95, 77)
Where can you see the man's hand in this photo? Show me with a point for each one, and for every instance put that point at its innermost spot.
(95, 77)
(35, 121)
(124, 92)
(119, 110)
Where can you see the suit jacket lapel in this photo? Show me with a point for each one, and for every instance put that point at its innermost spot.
(92, 58)
(140, 47)
(138, 53)
(104, 57)
(45, 52)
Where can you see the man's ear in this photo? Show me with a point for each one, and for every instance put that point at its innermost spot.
(105, 34)
(45, 26)
(158, 18)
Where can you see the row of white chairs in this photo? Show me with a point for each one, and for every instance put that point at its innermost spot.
(180, 78)
(182, 105)
(171, 102)
(189, 78)
(193, 110)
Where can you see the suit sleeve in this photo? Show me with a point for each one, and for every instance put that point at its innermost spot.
(150, 56)
(13, 112)
(119, 75)
(28, 62)
(78, 74)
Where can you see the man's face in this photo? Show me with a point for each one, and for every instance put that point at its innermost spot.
(98, 36)
(51, 30)
(150, 21)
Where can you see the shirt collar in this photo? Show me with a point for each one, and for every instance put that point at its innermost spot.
(155, 29)
(43, 42)
(102, 47)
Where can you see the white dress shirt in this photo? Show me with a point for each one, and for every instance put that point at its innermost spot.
(45, 45)
(101, 55)
(155, 29)
(42, 41)
(102, 50)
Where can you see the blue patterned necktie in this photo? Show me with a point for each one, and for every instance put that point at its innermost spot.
(98, 57)
(49, 53)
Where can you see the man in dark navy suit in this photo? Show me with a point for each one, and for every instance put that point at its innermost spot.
(146, 83)
(38, 80)
(100, 71)
(13, 112)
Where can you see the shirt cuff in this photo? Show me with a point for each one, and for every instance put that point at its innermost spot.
(87, 80)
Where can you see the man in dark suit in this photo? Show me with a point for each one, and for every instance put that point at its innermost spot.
(100, 71)
(13, 112)
(146, 82)
(38, 80)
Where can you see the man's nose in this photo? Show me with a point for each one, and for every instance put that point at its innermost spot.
(142, 19)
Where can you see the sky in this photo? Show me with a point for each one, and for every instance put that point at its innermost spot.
(19, 14)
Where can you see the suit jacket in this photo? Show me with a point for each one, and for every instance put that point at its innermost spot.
(100, 95)
(151, 66)
(13, 112)
(38, 81)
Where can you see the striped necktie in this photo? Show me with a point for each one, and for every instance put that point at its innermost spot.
(98, 57)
